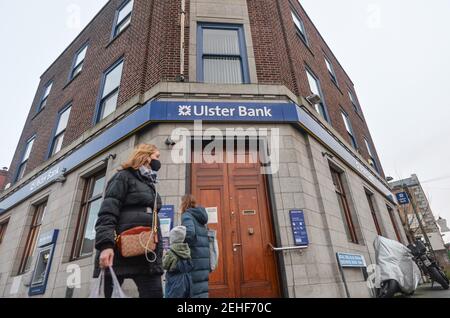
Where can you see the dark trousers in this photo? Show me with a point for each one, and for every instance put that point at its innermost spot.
(148, 286)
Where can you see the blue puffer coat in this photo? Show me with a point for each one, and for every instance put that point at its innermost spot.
(195, 220)
(179, 281)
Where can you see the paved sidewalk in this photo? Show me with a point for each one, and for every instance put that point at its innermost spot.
(425, 291)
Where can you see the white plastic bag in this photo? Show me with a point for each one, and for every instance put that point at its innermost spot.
(98, 290)
(213, 250)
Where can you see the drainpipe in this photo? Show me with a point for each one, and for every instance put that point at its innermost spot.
(182, 40)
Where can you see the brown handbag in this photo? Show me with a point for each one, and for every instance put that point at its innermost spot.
(141, 240)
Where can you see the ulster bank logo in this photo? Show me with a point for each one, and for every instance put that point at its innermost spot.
(184, 110)
(211, 112)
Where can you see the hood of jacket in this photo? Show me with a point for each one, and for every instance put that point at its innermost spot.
(199, 214)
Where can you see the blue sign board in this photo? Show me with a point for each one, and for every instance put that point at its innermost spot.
(351, 260)
(207, 111)
(167, 220)
(299, 228)
(158, 111)
(402, 198)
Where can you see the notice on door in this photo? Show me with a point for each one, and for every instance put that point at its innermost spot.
(213, 215)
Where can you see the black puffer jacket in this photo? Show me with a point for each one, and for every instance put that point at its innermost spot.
(124, 207)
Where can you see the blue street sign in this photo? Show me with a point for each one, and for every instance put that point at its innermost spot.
(299, 228)
(351, 260)
(402, 198)
(167, 219)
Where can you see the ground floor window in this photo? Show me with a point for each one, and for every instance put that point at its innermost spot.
(32, 237)
(344, 206)
(370, 200)
(394, 223)
(90, 206)
(3, 226)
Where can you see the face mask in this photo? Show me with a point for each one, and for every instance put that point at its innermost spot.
(155, 165)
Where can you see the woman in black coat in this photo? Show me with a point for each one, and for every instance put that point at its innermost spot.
(129, 201)
(195, 219)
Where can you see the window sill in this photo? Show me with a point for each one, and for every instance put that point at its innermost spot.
(76, 259)
(336, 85)
(304, 42)
(117, 36)
(37, 113)
(71, 80)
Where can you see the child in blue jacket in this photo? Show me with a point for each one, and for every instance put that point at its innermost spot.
(178, 264)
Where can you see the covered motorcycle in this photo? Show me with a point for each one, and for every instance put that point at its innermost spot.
(396, 267)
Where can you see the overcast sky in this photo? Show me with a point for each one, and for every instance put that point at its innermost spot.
(396, 52)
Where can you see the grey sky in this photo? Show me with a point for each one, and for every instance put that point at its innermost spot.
(396, 52)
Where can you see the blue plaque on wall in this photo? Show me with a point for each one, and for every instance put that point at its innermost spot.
(299, 228)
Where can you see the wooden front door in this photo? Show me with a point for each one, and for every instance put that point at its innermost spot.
(247, 265)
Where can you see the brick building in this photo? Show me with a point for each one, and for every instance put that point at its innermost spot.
(143, 69)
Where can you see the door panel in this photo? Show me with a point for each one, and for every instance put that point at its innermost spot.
(247, 266)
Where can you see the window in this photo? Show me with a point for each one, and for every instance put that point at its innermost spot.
(3, 226)
(90, 206)
(47, 90)
(349, 128)
(353, 100)
(331, 70)
(32, 237)
(372, 160)
(78, 62)
(58, 139)
(123, 17)
(110, 90)
(26, 155)
(394, 222)
(299, 26)
(344, 206)
(222, 56)
(370, 200)
(314, 86)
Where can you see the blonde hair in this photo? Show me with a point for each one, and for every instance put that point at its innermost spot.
(140, 156)
(187, 202)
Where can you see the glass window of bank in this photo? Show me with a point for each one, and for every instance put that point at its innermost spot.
(58, 139)
(90, 206)
(315, 88)
(123, 17)
(23, 164)
(110, 90)
(222, 56)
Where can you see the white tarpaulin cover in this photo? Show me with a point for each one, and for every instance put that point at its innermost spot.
(395, 262)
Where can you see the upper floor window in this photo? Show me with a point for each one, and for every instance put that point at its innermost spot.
(222, 56)
(110, 90)
(123, 17)
(331, 70)
(315, 88)
(90, 206)
(299, 26)
(349, 128)
(353, 100)
(58, 139)
(78, 62)
(372, 160)
(47, 90)
(23, 163)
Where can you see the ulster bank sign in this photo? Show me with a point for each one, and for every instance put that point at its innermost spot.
(181, 111)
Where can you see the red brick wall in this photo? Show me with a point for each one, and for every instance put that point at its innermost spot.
(150, 47)
(151, 50)
(281, 57)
